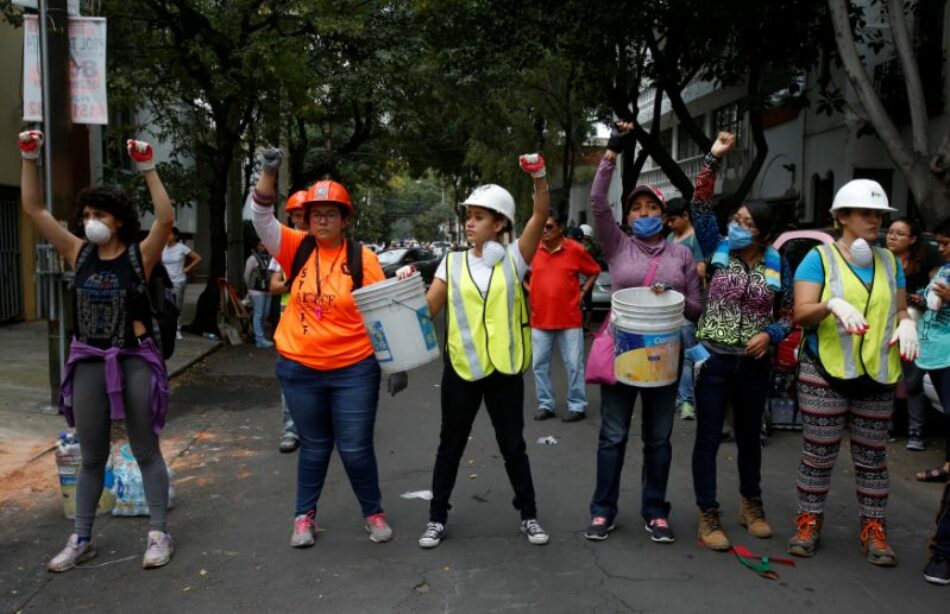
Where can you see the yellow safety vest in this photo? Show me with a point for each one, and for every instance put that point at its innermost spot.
(847, 356)
(490, 333)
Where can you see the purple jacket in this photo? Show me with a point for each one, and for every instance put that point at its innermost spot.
(147, 351)
(629, 258)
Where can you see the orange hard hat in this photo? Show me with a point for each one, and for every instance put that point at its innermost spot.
(328, 191)
(296, 201)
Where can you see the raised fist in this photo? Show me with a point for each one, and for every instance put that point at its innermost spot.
(142, 153)
(621, 137)
(725, 143)
(270, 159)
(533, 164)
(31, 141)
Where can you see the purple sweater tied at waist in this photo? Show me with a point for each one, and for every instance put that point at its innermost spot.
(629, 258)
(147, 351)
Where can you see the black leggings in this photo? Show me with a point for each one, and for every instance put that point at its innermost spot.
(94, 426)
(504, 399)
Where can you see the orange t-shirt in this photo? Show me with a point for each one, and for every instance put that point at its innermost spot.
(321, 328)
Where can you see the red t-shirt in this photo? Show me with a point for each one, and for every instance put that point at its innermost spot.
(555, 291)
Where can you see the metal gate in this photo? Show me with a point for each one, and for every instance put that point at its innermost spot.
(11, 286)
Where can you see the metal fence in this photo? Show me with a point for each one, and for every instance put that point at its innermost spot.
(11, 285)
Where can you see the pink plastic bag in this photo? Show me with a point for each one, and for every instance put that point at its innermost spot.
(600, 361)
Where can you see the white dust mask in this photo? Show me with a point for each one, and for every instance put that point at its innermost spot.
(492, 253)
(861, 253)
(97, 232)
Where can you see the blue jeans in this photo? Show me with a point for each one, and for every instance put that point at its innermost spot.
(616, 410)
(570, 341)
(261, 306)
(334, 407)
(744, 383)
(684, 393)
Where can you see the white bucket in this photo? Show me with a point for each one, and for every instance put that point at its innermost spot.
(396, 316)
(646, 336)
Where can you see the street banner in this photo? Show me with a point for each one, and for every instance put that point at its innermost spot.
(87, 70)
(72, 6)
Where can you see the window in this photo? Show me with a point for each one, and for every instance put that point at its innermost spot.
(728, 118)
(686, 146)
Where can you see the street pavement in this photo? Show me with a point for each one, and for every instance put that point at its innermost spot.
(233, 513)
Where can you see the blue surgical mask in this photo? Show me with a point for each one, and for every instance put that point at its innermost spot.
(647, 227)
(739, 237)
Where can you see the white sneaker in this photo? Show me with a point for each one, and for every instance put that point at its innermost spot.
(73, 554)
(159, 550)
(534, 532)
(305, 531)
(178, 335)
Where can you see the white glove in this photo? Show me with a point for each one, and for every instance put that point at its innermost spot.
(906, 335)
(142, 153)
(405, 272)
(934, 302)
(31, 142)
(852, 319)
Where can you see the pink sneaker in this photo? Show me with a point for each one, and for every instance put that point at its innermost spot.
(73, 554)
(305, 530)
(378, 529)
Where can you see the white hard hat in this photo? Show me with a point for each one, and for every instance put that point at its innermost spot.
(861, 194)
(587, 230)
(494, 197)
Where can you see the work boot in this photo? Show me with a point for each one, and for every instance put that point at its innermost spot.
(752, 517)
(710, 530)
(874, 543)
(807, 534)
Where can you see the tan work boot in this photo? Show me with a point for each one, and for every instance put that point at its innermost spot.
(710, 530)
(874, 543)
(807, 535)
(752, 517)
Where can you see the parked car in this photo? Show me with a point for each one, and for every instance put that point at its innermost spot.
(425, 261)
(600, 293)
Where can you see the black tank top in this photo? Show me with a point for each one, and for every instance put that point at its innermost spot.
(109, 298)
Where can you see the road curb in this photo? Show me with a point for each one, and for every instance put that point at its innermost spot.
(211, 350)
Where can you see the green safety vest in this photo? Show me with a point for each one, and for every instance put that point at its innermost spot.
(847, 356)
(490, 333)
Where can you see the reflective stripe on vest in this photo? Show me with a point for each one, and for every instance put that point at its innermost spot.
(490, 333)
(843, 355)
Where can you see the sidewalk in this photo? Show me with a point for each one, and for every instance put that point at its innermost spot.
(28, 425)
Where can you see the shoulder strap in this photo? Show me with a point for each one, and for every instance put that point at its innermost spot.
(84, 253)
(135, 257)
(306, 247)
(354, 260)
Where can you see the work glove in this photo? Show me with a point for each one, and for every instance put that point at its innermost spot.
(31, 142)
(405, 272)
(397, 382)
(142, 153)
(270, 159)
(906, 336)
(852, 319)
(620, 140)
(533, 164)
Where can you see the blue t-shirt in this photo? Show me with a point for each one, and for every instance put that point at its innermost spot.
(933, 330)
(811, 269)
(691, 242)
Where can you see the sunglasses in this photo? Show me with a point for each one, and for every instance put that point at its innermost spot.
(549, 226)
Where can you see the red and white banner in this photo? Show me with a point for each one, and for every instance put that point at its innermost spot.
(87, 70)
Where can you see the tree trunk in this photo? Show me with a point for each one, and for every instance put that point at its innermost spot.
(758, 138)
(206, 312)
(919, 120)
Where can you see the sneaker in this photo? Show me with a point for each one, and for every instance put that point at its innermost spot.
(687, 411)
(807, 535)
(305, 530)
(915, 443)
(378, 529)
(543, 414)
(599, 528)
(263, 345)
(288, 444)
(710, 530)
(159, 550)
(433, 535)
(752, 517)
(937, 570)
(535, 533)
(660, 531)
(874, 543)
(178, 335)
(73, 554)
(574, 416)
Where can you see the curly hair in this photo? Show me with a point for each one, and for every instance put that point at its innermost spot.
(115, 202)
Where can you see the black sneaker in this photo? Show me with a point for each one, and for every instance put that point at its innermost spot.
(543, 414)
(534, 532)
(574, 416)
(433, 535)
(599, 528)
(660, 531)
(937, 570)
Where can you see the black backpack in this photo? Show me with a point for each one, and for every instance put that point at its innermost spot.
(260, 276)
(354, 260)
(158, 289)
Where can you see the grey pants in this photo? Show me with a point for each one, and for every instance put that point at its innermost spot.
(917, 402)
(94, 425)
(179, 292)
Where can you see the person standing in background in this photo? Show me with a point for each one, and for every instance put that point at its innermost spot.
(179, 260)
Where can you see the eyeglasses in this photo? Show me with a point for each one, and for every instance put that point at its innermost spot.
(549, 226)
(327, 216)
(748, 224)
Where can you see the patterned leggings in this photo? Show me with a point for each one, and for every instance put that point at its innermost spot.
(824, 415)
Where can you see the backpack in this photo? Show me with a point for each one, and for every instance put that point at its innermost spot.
(354, 260)
(260, 276)
(158, 290)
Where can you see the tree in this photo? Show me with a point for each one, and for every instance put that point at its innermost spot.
(924, 163)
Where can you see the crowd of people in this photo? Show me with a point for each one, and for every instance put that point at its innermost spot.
(872, 316)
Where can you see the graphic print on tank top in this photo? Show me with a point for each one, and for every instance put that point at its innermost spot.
(101, 309)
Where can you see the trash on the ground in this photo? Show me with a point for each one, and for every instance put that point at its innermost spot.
(550, 440)
(471, 461)
(129, 489)
(761, 565)
(203, 572)
(472, 476)
(68, 462)
(425, 495)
